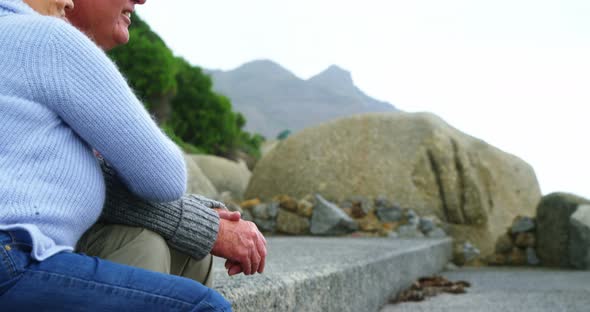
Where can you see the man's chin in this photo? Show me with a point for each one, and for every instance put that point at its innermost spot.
(119, 38)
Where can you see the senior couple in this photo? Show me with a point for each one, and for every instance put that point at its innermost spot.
(62, 101)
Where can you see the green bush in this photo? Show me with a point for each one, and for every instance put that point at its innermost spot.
(180, 97)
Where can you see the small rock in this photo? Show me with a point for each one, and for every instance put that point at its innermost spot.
(409, 231)
(451, 267)
(437, 233)
(304, 208)
(286, 202)
(266, 225)
(231, 206)
(329, 219)
(531, 256)
(522, 224)
(525, 240)
(251, 203)
(360, 206)
(390, 226)
(393, 235)
(260, 212)
(471, 252)
(291, 223)
(387, 211)
(464, 253)
(412, 217)
(273, 209)
(369, 223)
(247, 215)
(504, 244)
(346, 204)
(426, 225)
(225, 197)
(382, 201)
(517, 257)
(497, 259)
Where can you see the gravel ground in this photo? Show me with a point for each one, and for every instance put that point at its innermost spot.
(510, 289)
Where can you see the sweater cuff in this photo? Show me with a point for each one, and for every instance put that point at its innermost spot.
(197, 231)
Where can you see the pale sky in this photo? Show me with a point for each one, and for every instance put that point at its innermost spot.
(515, 73)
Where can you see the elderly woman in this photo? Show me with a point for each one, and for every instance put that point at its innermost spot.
(60, 97)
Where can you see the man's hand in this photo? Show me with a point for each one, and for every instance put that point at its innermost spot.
(228, 215)
(241, 244)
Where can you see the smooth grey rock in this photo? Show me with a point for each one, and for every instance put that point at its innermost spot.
(197, 181)
(409, 231)
(418, 160)
(579, 239)
(531, 257)
(553, 227)
(522, 224)
(437, 233)
(224, 174)
(314, 274)
(329, 219)
(260, 212)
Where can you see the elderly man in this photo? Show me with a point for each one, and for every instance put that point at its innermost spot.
(176, 237)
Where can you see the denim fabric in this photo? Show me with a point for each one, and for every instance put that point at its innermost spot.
(76, 282)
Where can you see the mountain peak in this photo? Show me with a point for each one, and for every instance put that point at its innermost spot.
(265, 68)
(333, 77)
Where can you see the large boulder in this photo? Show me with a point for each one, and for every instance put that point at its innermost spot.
(554, 228)
(198, 183)
(417, 160)
(226, 175)
(579, 242)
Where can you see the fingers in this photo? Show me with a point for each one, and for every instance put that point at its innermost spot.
(256, 259)
(229, 215)
(261, 249)
(242, 244)
(234, 269)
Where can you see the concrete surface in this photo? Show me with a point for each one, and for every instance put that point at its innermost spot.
(332, 274)
(516, 289)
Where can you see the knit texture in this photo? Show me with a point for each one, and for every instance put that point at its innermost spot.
(188, 224)
(61, 96)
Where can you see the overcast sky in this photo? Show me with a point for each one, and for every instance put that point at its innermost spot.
(515, 73)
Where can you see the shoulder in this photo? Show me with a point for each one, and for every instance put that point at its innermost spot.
(45, 30)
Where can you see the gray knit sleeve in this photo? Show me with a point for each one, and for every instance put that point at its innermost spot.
(188, 224)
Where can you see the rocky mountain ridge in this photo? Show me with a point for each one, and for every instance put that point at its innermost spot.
(273, 99)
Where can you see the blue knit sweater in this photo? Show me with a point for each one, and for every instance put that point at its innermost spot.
(60, 96)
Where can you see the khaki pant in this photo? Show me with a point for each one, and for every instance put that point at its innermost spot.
(144, 249)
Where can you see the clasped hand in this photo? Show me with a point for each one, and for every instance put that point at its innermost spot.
(240, 243)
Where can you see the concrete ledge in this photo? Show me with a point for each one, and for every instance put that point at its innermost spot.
(332, 274)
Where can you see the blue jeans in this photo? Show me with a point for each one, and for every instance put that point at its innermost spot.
(76, 282)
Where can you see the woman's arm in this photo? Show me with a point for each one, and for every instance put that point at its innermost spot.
(188, 224)
(83, 86)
